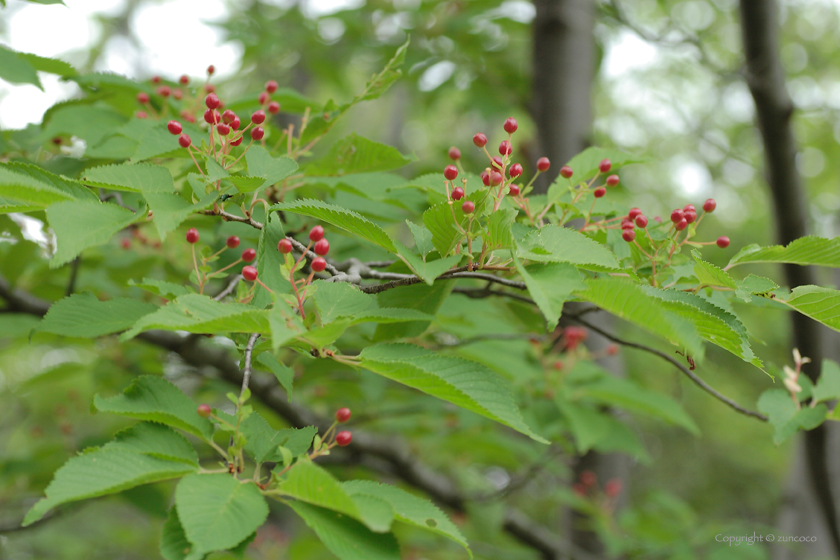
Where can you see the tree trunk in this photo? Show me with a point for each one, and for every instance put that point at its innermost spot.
(766, 80)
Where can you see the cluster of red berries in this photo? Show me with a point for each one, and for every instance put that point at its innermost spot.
(680, 219)
(232, 242)
(165, 91)
(320, 246)
(344, 437)
(224, 124)
(573, 336)
(588, 483)
(264, 98)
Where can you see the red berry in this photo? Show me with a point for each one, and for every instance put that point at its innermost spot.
(588, 478)
(143, 97)
(677, 216)
(273, 107)
(511, 125)
(177, 93)
(155, 79)
(228, 116)
(316, 233)
(480, 140)
(599, 192)
(450, 172)
(641, 221)
(343, 438)
(468, 207)
(681, 225)
(485, 178)
(322, 247)
(690, 216)
(612, 180)
(722, 242)
(237, 141)
(258, 117)
(204, 410)
(628, 235)
(223, 129)
(558, 365)
(689, 207)
(141, 115)
(249, 273)
(514, 190)
(627, 223)
(212, 116)
(454, 153)
(284, 246)
(544, 163)
(232, 242)
(263, 98)
(457, 193)
(209, 88)
(184, 140)
(184, 80)
(318, 264)
(566, 172)
(633, 213)
(612, 350)
(505, 148)
(234, 124)
(212, 101)
(211, 69)
(497, 163)
(612, 488)
(125, 243)
(164, 91)
(515, 170)
(710, 205)
(249, 255)
(496, 178)
(257, 133)
(187, 116)
(271, 86)
(604, 166)
(192, 235)
(342, 415)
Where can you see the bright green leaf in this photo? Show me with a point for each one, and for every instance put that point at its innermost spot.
(81, 224)
(783, 415)
(354, 154)
(550, 285)
(805, 250)
(84, 316)
(828, 385)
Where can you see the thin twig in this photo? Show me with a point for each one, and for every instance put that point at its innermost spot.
(229, 289)
(74, 273)
(246, 371)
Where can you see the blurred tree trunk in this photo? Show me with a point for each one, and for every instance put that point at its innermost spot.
(774, 108)
(563, 70)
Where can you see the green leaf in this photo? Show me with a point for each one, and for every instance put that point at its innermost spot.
(420, 297)
(820, 304)
(16, 69)
(465, 383)
(328, 334)
(409, 508)
(68, 189)
(168, 290)
(84, 316)
(355, 154)
(218, 511)
(215, 172)
(269, 261)
(49, 65)
(389, 74)
(443, 220)
(422, 238)
(499, 235)
(284, 374)
(630, 302)
(154, 140)
(154, 399)
(133, 177)
(753, 284)
(19, 185)
(710, 275)
(201, 314)
(263, 441)
(585, 164)
(346, 538)
(173, 541)
(340, 299)
(101, 472)
(272, 169)
(340, 217)
(285, 325)
(562, 244)
(550, 285)
(310, 483)
(430, 270)
(81, 224)
(599, 430)
(778, 405)
(91, 123)
(156, 440)
(805, 251)
(828, 385)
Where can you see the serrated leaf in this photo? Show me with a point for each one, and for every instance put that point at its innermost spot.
(84, 316)
(340, 217)
(345, 537)
(427, 270)
(201, 314)
(17, 70)
(284, 374)
(173, 541)
(808, 250)
(340, 299)
(156, 440)
(327, 334)
(387, 76)
(629, 301)
(168, 290)
(101, 472)
(284, 324)
(217, 511)
(710, 275)
(269, 261)
(154, 399)
(447, 221)
(422, 238)
(20, 187)
(91, 123)
(263, 441)
(355, 154)
(828, 385)
(49, 65)
(81, 224)
(753, 284)
(562, 244)
(783, 415)
(420, 297)
(71, 188)
(154, 140)
(499, 235)
(465, 383)
(273, 169)
(409, 508)
(550, 285)
(820, 304)
(215, 172)
(132, 177)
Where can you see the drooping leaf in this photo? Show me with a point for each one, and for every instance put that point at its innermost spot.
(340, 299)
(562, 244)
(269, 261)
(284, 374)
(808, 250)
(828, 385)
(427, 270)
(310, 483)
(81, 224)
(217, 511)
(155, 399)
(387, 76)
(465, 383)
(422, 297)
(156, 440)
(783, 415)
(355, 154)
(820, 304)
(49, 65)
(19, 185)
(550, 285)
(17, 70)
(84, 316)
(499, 235)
